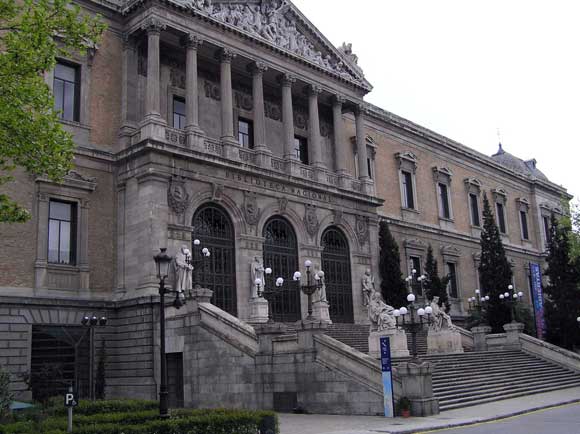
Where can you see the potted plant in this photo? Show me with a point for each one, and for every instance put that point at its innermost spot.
(405, 406)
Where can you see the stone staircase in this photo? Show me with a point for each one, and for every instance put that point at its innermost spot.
(472, 378)
(421, 342)
(462, 380)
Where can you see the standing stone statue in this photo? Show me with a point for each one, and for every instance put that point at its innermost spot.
(441, 320)
(183, 270)
(322, 290)
(368, 286)
(380, 313)
(257, 272)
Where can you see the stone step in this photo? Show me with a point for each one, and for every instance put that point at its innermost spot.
(492, 397)
(508, 385)
(470, 368)
(442, 383)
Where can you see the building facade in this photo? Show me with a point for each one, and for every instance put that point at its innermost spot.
(239, 124)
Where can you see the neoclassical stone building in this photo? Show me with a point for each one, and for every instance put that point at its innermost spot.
(239, 124)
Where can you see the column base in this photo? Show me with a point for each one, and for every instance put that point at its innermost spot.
(153, 127)
(344, 180)
(195, 138)
(263, 157)
(231, 148)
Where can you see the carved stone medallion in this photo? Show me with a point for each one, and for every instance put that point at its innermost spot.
(362, 229)
(251, 210)
(338, 216)
(311, 220)
(217, 191)
(177, 196)
(282, 204)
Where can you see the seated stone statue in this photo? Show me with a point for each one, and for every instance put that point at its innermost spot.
(440, 319)
(380, 313)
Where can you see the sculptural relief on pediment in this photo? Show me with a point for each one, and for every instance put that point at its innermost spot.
(273, 21)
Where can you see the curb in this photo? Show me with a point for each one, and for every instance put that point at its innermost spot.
(480, 420)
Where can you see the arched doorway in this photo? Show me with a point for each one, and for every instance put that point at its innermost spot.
(213, 227)
(281, 255)
(336, 266)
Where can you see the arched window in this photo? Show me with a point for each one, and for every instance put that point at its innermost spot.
(336, 266)
(213, 227)
(281, 255)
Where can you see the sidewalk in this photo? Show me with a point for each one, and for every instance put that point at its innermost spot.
(325, 424)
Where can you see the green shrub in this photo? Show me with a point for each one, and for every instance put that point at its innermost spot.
(88, 408)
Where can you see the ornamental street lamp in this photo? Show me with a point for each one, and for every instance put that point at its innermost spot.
(310, 287)
(421, 279)
(415, 322)
(163, 261)
(205, 254)
(478, 304)
(268, 292)
(511, 298)
(91, 323)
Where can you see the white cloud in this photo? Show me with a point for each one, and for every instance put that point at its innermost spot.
(466, 68)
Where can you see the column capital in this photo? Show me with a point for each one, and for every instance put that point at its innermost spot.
(287, 79)
(192, 40)
(361, 109)
(338, 100)
(313, 90)
(128, 41)
(226, 55)
(258, 67)
(153, 25)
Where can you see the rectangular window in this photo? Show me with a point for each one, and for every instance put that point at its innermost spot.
(546, 221)
(66, 89)
(474, 204)
(452, 288)
(416, 284)
(301, 149)
(501, 218)
(370, 168)
(444, 201)
(62, 233)
(178, 112)
(408, 199)
(246, 133)
(524, 222)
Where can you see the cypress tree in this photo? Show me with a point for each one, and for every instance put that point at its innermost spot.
(436, 286)
(562, 304)
(393, 286)
(495, 272)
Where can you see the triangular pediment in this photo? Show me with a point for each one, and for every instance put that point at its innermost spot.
(280, 24)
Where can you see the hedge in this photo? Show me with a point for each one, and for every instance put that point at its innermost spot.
(219, 421)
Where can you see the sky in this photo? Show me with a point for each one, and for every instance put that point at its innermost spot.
(467, 68)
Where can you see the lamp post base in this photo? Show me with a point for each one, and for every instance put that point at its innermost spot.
(397, 339)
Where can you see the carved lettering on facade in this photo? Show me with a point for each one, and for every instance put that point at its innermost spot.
(278, 187)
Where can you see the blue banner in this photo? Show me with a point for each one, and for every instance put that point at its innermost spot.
(386, 369)
(538, 298)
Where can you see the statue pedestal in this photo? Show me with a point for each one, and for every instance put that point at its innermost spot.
(479, 337)
(444, 342)
(513, 331)
(320, 311)
(417, 385)
(258, 310)
(397, 338)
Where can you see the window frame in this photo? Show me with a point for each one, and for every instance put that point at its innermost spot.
(442, 177)
(444, 201)
(76, 115)
(249, 135)
(408, 190)
(181, 117)
(407, 162)
(455, 279)
(301, 151)
(500, 198)
(73, 232)
(474, 214)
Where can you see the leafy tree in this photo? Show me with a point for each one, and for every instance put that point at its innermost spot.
(6, 396)
(437, 286)
(393, 286)
(562, 304)
(572, 221)
(33, 33)
(495, 272)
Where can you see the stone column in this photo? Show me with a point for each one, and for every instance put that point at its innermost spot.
(128, 91)
(288, 116)
(361, 143)
(226, 56)
(191, 42)
(339, 142)
(153, 26)
(258, 69)
(314, 144)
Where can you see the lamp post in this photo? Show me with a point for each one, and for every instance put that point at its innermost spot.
(511, 298)
(205, 254)
(268, 292)
(91, 323)
(416, 320)
(310, 287)
(478, 303)
(421, 279)
(163, 261)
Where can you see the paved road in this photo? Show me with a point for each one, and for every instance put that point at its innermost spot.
(561, 420)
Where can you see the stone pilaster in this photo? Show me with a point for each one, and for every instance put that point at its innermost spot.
(226, 56)
(288, 116)
(258, 69)
(128, 91)
(361, 145)
(314, 127)
(192, 42)
(339, 141)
